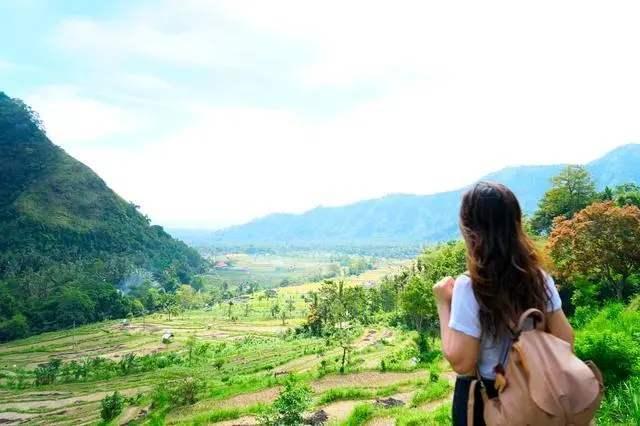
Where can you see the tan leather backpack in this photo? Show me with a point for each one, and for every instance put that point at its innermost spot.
(546, 384)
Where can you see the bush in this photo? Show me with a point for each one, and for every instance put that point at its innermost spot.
(288, 408)
(615, 353)
(425, 352)
(46, 373)
(176, 393)
(612, 340)
(112, 406)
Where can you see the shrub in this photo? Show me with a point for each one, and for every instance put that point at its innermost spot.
(615, 353)
(46, 373)
(425, 352)
(112, 406)
(288, 408)
(184, 391)
(176, 393)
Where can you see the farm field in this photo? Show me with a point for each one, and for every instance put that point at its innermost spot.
(239, 366)
(271, 270)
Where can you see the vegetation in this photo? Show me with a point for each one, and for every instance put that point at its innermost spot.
(202, 345)
(69, 243)
(112, 406)
(290, 405)
(572, 190)
(599, 243)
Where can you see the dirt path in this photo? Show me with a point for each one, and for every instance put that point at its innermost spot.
(366, 379)
(242, 421)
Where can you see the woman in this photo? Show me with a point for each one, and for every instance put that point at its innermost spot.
(504, 279)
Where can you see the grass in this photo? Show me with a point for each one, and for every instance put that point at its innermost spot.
(403, 416)
(621, 404)
(354, 393)
(360, 415)
(432, 392)
(251, 350)
(222, 414)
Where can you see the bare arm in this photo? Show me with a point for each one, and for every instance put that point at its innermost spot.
(459, 349)
(558, 325)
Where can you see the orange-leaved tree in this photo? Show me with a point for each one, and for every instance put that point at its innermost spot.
(601, 241)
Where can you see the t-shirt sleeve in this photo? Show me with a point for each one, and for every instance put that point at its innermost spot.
(465, 309)
(554, 303)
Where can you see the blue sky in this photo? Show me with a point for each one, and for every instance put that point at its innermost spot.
(210, 113)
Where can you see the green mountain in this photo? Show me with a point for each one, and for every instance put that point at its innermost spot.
(409, 219)
(67, 240)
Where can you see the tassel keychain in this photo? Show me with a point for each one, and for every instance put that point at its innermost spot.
(501, 379)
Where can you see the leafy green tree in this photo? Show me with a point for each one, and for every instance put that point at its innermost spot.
(275, 309)
(419, 305)
(230, 310)
(571, 191)
(626, 194)
(14, 328)
(74, 307)
(291, 306)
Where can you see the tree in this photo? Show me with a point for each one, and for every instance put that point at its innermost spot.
(275, 309)
(169, 304)
(14, 328)
(599, 242)
(291, 306)
(571, 191)
(230, 311)
(626, 194)
(74, 307)
(186, 297)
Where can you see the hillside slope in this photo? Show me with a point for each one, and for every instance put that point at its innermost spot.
(412, 219)
(64, 230)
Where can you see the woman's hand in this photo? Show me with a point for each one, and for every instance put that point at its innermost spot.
(443, 290)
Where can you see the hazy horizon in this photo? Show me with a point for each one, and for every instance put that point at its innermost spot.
(210, 114)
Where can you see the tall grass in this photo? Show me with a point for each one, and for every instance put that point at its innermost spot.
(621, 404)
(432, 392)
(351, 393)
(360, 415)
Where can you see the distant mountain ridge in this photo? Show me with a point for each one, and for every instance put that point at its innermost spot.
(409, 219)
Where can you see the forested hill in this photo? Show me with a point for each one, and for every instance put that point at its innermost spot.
(410, 219)
(67, 240)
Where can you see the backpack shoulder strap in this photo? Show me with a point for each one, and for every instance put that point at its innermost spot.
(471, 401)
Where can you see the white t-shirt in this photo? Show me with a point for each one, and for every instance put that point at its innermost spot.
(465, 319)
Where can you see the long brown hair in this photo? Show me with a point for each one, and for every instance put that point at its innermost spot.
(502, 261)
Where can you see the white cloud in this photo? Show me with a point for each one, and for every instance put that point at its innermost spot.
(71, 118)
(6, 65)
(463, 88)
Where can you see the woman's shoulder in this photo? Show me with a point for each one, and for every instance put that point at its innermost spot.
(463, 279)
(463, 285)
